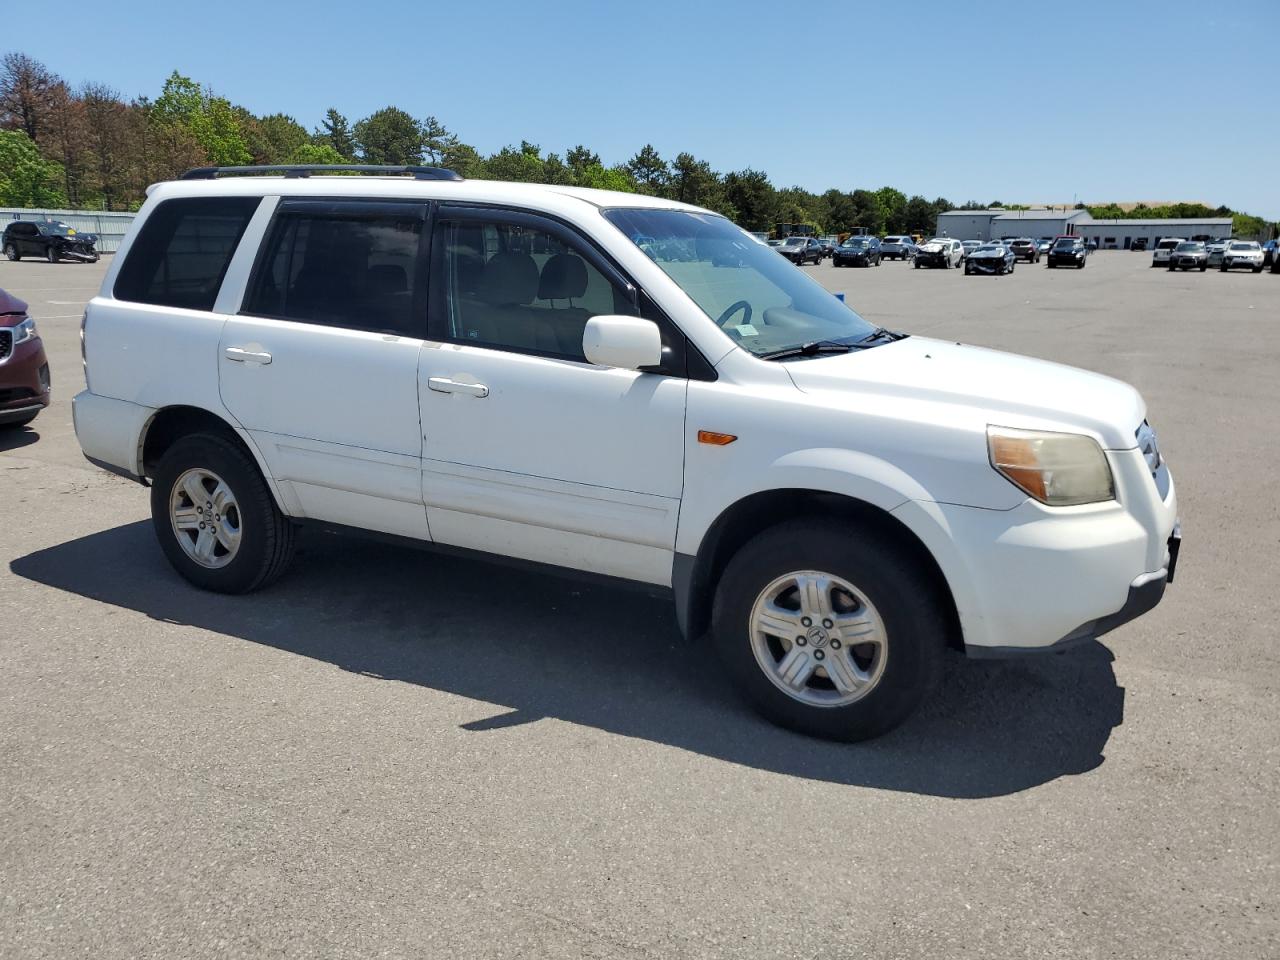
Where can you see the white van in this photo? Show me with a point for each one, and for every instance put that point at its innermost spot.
(623, 386)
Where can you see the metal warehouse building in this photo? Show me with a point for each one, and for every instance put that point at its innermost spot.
(1120, 234)
(1000, 224)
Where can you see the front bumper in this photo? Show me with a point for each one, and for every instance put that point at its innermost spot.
(851, 259)
(1231, 263)
(81, 252)
(932, 259)
(24, 382)
(1036, 578)
(1065, 259)
(985, 266)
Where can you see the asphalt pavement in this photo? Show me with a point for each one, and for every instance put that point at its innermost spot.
(390, 753)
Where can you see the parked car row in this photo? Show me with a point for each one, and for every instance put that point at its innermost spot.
(50, 240)
(1226, 255)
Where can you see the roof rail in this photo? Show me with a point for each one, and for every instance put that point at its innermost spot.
(291, 170)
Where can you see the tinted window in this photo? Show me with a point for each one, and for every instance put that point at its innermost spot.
(182, 253)
(343, 264)
(517, 287)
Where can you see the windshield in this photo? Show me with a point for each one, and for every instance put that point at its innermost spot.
(792, 242)
(761, 301)
(56, 230)
(1064, 242)
(857, 242)
(1190, 247)
(1245, 246)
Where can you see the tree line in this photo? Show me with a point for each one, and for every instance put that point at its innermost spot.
(92, 148)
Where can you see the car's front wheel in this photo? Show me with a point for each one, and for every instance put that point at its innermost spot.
(215, 518)
(827, 630)
(50, 254)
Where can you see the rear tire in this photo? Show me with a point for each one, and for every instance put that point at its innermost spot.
(263, 537)
(12, 253)
(887, 634)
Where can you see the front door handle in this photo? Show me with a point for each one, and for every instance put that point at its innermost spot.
(241, 355)
(445, 385)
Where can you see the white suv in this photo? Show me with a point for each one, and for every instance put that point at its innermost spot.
(501, 367)
(1161, 255)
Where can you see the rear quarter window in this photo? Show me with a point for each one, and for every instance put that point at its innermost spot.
(182, 252)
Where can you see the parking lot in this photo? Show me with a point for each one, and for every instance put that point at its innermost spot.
(391, 753)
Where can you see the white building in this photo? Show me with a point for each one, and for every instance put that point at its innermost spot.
(1001, 224)
(1120, 234)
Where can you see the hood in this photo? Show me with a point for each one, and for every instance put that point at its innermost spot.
(987, 385)
(982, 254)
(11, 304)
(932, 247)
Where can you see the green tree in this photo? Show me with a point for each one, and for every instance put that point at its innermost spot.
(580, 158)
(649, 170)
(693, 181)
(601, 178)
(210, 120)
(918, 216)
(893, 204)
(26, 178)
(522, 164)
(389, 136)
(284, 136)
(867, 212)
(437, 141)
(464, 160)
(752, 195)
(312, 153)
(335, 131)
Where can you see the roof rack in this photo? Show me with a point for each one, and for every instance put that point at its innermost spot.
(293, 171)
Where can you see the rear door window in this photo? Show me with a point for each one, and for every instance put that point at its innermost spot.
(182, 252)
(346, 263)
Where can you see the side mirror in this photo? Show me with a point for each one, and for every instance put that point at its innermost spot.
(628, 343)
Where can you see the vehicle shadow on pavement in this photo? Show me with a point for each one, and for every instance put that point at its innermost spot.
(15, 439)
(606, 657)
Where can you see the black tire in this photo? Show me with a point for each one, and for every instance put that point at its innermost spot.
(12, 253)
(1080, 265)
(1257, 269)
(1050, 265)
(917, 264)
(914, 624)
(967, 272)
(50, 255)
(267, 537)
(1204, 267)
(1223, 268)
(19, 424)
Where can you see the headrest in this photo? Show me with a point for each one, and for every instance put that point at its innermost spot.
(563, 276)
(509, 279)
(387, 278)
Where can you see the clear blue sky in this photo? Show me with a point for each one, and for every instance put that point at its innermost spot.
(1029, 102)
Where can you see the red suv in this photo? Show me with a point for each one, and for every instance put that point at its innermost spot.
(24, 370)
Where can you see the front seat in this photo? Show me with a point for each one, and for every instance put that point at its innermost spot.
(503, 316)
(564, 277)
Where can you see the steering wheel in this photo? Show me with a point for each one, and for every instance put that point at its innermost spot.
(734, 308)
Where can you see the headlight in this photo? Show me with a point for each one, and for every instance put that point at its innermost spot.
(24, 331)
(1058, 469)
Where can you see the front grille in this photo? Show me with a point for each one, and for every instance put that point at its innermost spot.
(6, 343)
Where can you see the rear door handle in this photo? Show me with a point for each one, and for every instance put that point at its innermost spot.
(445, 385)
(241, 355)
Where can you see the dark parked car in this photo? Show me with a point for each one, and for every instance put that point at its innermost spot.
(1139, 243)
(1189, 255)
(1269, 253)
(24, 370)
(1024, 248)
(857, 252)
(898, 248)
(828, 247)
(990, 258)
(50, 239)
(1068, 252)
(800, 249)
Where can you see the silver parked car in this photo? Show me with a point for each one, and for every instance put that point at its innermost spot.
(1242, 253)
(1189, 255)
(898, 248)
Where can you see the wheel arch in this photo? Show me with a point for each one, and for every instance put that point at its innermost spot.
(167, 425)
(695, 577)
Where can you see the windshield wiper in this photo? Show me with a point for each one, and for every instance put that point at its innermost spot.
(880, 333)
(810, 349)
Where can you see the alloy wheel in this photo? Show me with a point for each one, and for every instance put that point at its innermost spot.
(205, 517)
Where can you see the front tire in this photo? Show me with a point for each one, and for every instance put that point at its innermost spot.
(50, 255)
(236, 540)
(827, 630)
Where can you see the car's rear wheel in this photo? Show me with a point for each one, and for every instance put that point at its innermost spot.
(828, 630)
(215, 518)
(11, 252)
